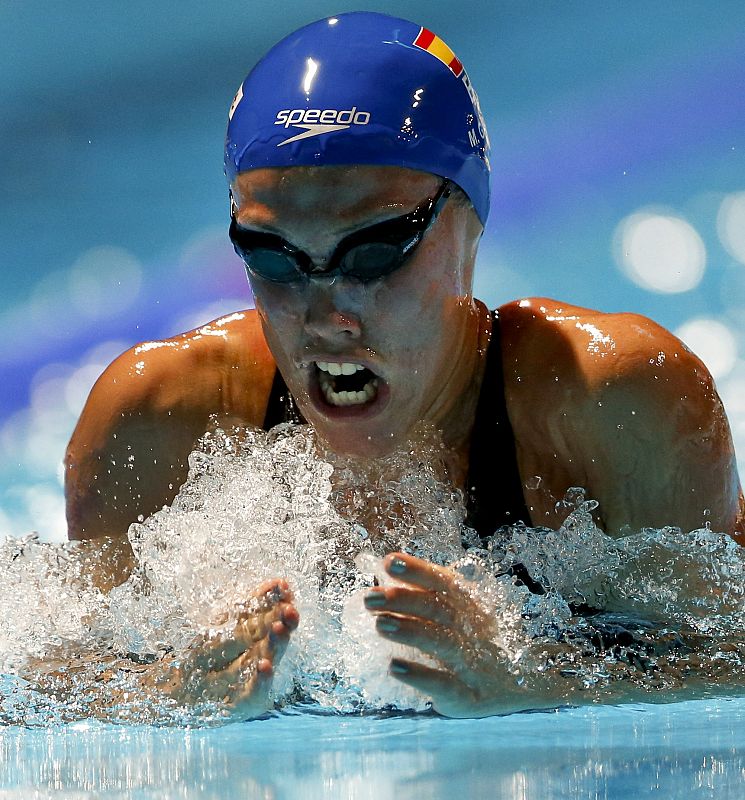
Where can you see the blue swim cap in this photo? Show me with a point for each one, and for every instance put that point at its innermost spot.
(362, 88)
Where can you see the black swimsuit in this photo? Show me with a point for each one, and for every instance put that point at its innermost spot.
(494, 495)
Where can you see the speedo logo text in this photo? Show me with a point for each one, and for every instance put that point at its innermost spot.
(318, 121)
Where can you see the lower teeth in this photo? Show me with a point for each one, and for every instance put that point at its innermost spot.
(350, 398)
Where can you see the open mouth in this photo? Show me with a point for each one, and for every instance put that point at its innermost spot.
(347, 384)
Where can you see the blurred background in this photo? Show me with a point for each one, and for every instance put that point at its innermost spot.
(618, 136)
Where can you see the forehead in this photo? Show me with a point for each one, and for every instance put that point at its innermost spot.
(349, 193)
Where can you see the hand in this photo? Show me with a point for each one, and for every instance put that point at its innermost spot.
(236, 667)
(437, 613)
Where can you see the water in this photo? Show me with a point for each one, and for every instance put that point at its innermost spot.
(577, 618)
(690, 749)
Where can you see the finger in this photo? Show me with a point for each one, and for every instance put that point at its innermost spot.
(443, 687)
(261, 658)
(419, 572)
(244, 692)
(250, 671)
(431, 638)
(252, 699)
(290, 616)
(266, 596)
(220, 650)
(274, 589)
(216, 651)
(269, 628)
(434, 606)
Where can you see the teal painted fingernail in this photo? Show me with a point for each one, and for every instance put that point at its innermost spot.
(399, 667)
(388, 624)
(397, 567)
(375, 599)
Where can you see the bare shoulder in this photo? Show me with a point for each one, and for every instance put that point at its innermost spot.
(617, 404)
(591, 347)
(223, 366)
(129, 452)
(572, 363)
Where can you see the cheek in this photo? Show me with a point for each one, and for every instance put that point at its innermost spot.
(413, 320)
(276, 301)
(281, 311)
(422, 297)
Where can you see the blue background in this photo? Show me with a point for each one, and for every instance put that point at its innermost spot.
(113, 203)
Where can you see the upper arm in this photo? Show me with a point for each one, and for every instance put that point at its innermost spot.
(659, 437)
(129, 452)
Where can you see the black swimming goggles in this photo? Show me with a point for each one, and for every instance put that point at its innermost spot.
(366, 254)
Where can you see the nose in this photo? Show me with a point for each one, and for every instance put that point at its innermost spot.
(333, 314)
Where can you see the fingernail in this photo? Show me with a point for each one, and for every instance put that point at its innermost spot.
(399, 667)
(388, 624)
(397, 566)
(375, 599)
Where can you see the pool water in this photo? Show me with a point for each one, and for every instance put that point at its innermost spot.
(682, 750)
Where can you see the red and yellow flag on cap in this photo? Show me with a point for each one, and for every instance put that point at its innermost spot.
(434, 45)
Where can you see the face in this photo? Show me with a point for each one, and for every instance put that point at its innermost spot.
(406, 343)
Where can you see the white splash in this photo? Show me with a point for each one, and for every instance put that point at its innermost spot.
(590, 612)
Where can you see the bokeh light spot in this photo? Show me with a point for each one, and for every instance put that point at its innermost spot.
(45, 507)
(731, 225)
(659, 252)
(104, 281)
(78, 386)
(713, 342)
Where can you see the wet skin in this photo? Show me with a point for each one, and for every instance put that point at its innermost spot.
(609, 402)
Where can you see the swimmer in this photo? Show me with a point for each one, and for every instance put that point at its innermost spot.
(357, 161)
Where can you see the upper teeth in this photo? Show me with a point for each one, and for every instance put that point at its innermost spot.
(339, 369)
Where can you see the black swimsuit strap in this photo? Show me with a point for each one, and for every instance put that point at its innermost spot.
(494, 494)
(280, 407)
